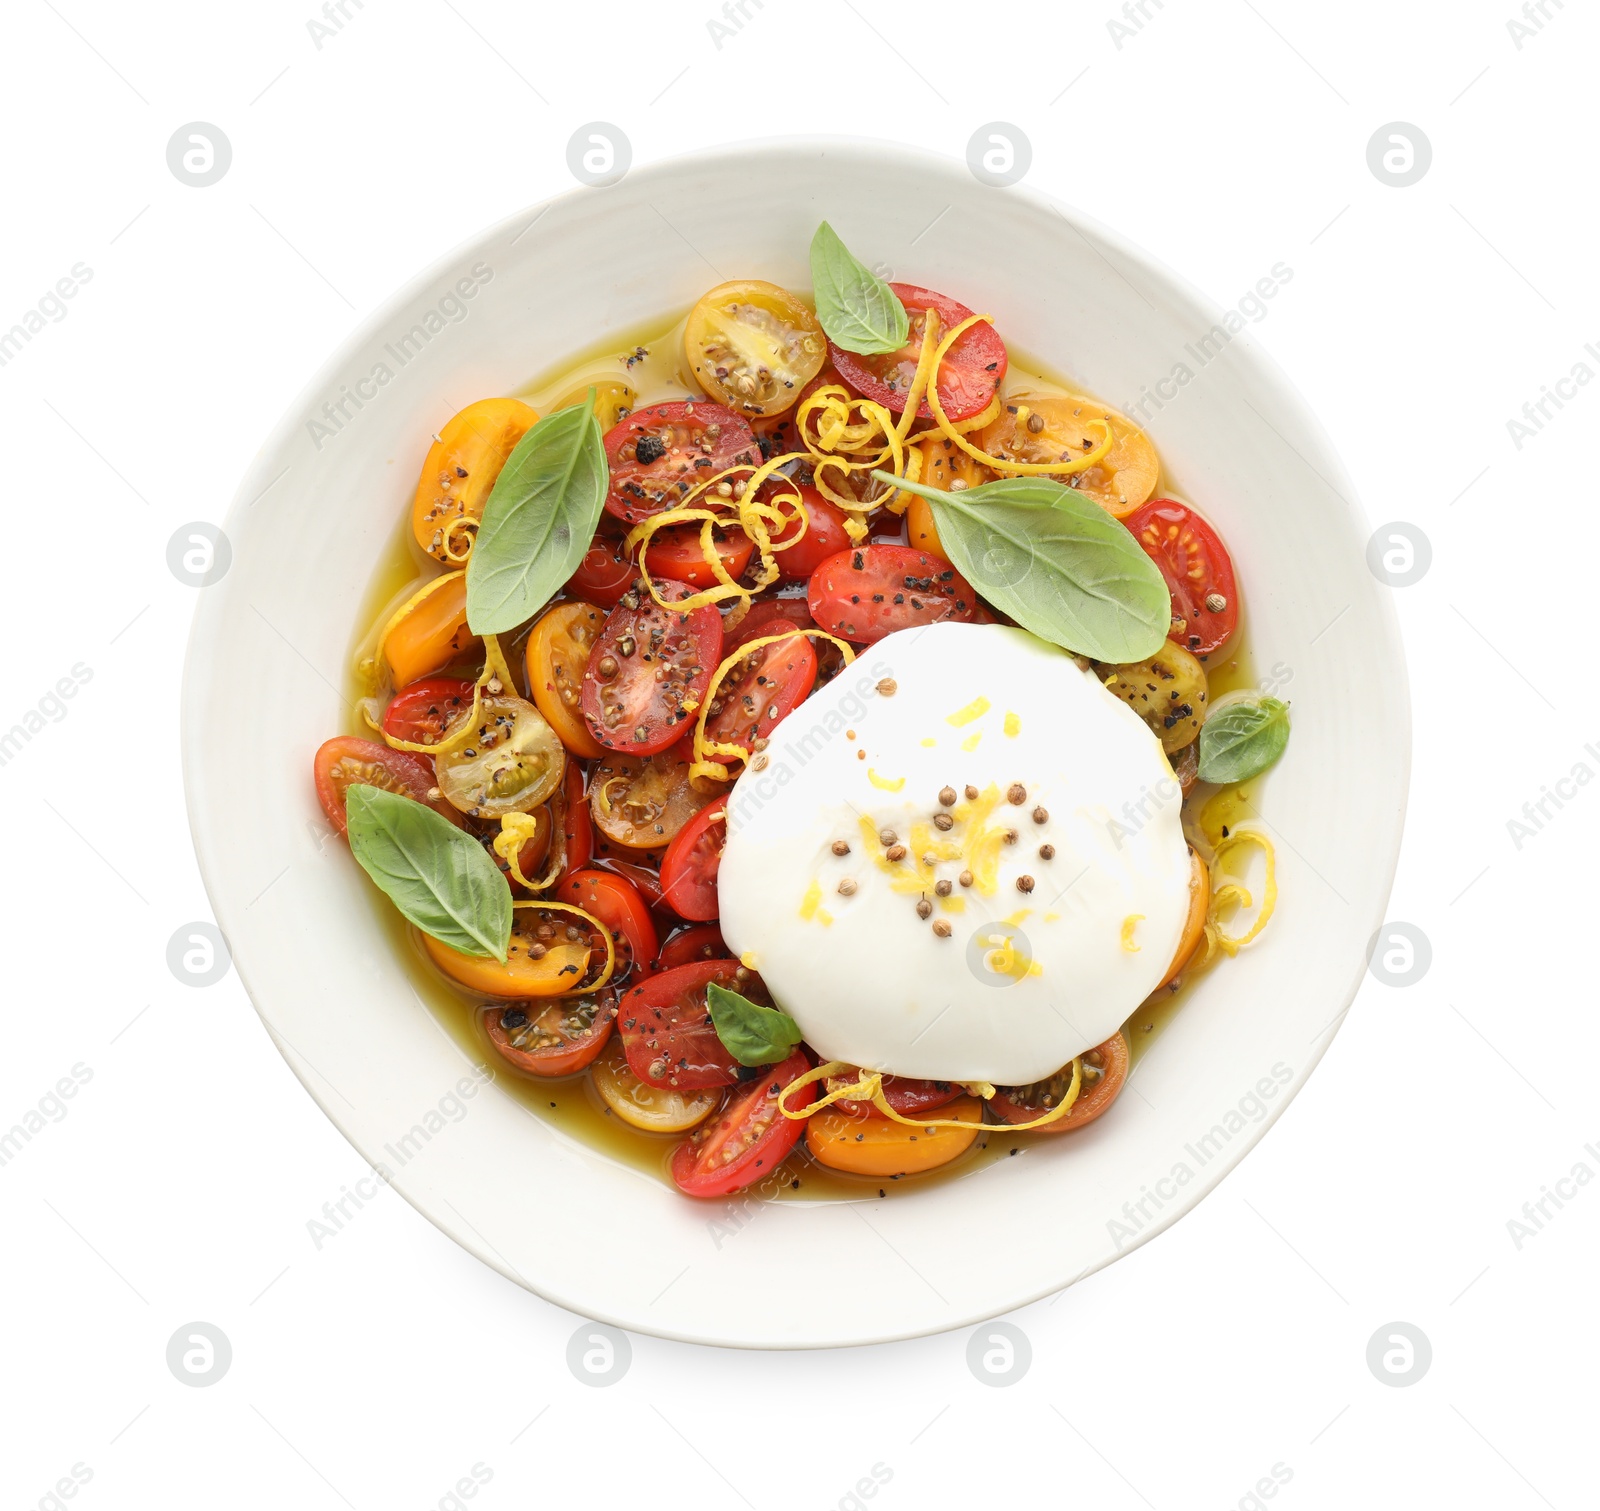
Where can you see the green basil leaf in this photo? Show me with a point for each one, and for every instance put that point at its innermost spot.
(752, 1034)
(1056, 562)
(439, 876)
(1242, 738)
(855, 307)
(538, 520)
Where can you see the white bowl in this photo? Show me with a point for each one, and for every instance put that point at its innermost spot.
(267, 662)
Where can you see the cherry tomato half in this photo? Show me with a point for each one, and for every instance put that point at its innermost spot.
(968, 377)
(907, 1096)
(640, 803)
(753, 346)
(420, 714)
(750, 1138)
(689, 867)
(554, 1038)
(345, 762)
(761, 689)
(871, 591)
(459, 471)
(1022, 1104)
(666, 1026)
(557, 656)
(825, 533)
(1197, 568)
(676, 553)
(571, 807)
(607, 570)
(550, 954)
(1041, 429)
(659, 453)
(870, 1144)
(698, 942)
(645, 663)
(432, 634)
(618, 905)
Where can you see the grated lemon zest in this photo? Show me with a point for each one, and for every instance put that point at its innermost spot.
(1013, 725)
(976, 709)
(1129, 925)
(885, 783)
(972, 741)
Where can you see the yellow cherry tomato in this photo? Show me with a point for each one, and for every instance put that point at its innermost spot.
(655, 1109)
(872, 1144)
(1038, 429)
(431, 632)
(1167, 690)
(614, 400)
(510, 763)
(947, 467)
(558, 652)
(459, 471)
(542, 959)
(753, 346)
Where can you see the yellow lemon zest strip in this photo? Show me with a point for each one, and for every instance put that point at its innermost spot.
(885, 783)
(1129, 924)
(976, 709)
(600, 928)
(868, 1087)
(1001, 465)
(1232, 893)
(516, 829)
(811, 901)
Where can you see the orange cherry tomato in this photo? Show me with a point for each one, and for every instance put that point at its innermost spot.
(432, 634)
(948, 468)
(1195, 924)
(618, 905)
(542, 960)
(555, 1038)
(558, 653)
(345, 762)
(871, 1144)
(460, 469)
(1067, 427)
(1022, 1104)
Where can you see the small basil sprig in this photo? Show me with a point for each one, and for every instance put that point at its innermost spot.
(438, 876)
(855, 307)
(1056, 562)
(538, 519)
(1242, 737)
(752, 1034)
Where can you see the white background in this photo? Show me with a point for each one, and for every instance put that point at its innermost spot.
(376, 1371)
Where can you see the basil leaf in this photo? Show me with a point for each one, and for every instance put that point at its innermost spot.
(1241, 739)
(752, 1034)
(855, 307)
(1056, 562)
(538, 520)
(438, 876)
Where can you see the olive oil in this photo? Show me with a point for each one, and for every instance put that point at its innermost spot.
(651, 367)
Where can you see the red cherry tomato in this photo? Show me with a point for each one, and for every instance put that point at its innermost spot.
(659, 453)
(345, 762)
(645, 881)
(766, 617)
(577, 826)
(761, 689)
(689, 868)
(750, 1138)
(870, 591)
(624, 704)
(1196, 565)
(968, 377)
(676, 553)
(908, 1097)
(824, 535)
(419, 714)
(666, 1026)
(607, 570)
(544, 1038)
(698, 942)
(618, 905)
